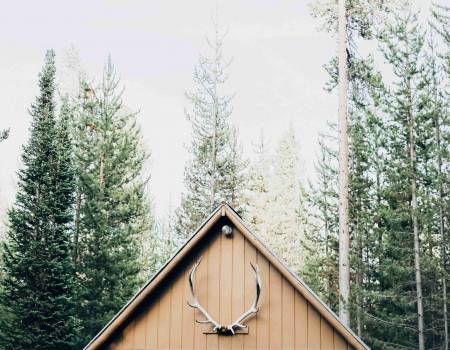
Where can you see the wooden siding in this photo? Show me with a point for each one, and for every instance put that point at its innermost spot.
(225, 286)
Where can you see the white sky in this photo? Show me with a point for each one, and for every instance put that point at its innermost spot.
(276, 73)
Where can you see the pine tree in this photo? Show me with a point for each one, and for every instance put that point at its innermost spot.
(287, 204)
(158, 247)
(366, 135)
(277, 200)
(216, 169)
(321, 247)
(259, 187)
(344, 238)
(113, 216)
(435, 157)
(398, 136)
(354, 19)
(37, 297)
(403, 44)
(235, 177)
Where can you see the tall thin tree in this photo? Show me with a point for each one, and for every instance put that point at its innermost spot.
(113, 214)
(216, 170)
(38, 290)
(344, 239)
(440, 23)
(404, 42)
(350, 20)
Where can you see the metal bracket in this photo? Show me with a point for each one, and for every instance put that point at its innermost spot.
(238, 331)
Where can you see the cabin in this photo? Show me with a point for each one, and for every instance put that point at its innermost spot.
(224, 289)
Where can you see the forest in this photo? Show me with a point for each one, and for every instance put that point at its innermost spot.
(82, 237)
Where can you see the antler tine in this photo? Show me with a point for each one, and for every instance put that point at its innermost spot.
(253, 308)
(196, 304)
(258, 285)
(191, 279)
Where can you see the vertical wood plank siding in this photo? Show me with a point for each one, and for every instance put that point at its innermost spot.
(225, 286)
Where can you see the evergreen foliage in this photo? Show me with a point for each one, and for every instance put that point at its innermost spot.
(37, 296)
(82, 236)
(216, 169)
(259, 187)
(321, 238)
(398, 146)
(395, 286)
(113, 220)
(277, 199)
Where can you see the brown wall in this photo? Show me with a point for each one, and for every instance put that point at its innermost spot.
(226, 287)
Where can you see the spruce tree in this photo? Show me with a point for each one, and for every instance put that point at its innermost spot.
(321, 240)
(276, 208)
(366, 136)
(259, 187)
(287, 202)
(398, 136)
(216, 170)
(397, 308)
(433, 156)
(350, 20)
(439, 79)
(113, 217)
(37, 297)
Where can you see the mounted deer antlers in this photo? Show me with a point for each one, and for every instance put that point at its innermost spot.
(217, 327)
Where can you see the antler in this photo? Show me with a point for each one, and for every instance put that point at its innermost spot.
(253, 308)
(232, 328)
(196, 304)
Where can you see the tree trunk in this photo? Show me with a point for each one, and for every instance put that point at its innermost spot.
(77, 226)
(437, 125)
(415, 222)
(101, 171)
(214, 135)
(442, 232)
(327, 243)
(444, 280)
(214, 159)
(344, 241)
(359, 280)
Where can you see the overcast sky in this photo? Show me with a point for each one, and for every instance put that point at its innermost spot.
(277, 71)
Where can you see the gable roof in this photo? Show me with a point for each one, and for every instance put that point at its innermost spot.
(223, 210)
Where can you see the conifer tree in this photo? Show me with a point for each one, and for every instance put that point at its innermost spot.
(321, 247)
(287, 204)
(113, 216)
(364, 165)
(37, 295)
(404, 42)
(158, 247)
(365, 139)
(435, 157)
(276, 207)
(440, 23)
(350, 20)
(259, 187)
(398, 135)
(216, 170)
